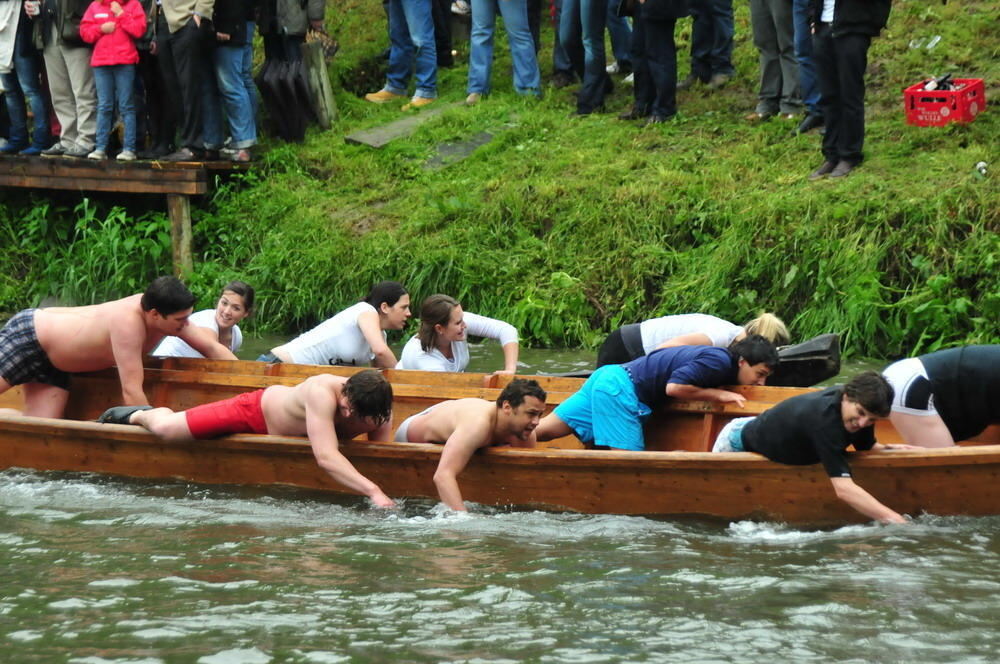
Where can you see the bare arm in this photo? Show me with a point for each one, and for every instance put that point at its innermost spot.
(127, 337)
(206, 342)
(321, 411)
(372, 331)
(693, 339)
(895, 446)
(458, 449)
(922, 430)
(510, 353)
(383, 434)
(695, 393)
(862, 501)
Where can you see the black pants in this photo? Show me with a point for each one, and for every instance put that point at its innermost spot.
(164, 129)
(840, 68)
(654, 61)
(192, 60)
(623, 345)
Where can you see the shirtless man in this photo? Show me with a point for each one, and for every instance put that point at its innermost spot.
(324, 408)
(40, 348)
(945, 397)
(465, 425)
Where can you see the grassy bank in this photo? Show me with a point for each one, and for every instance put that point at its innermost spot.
(570, 227)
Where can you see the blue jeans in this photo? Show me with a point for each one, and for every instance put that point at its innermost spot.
(411, 35)
(247, 71)
(620, 33)
(560, 60)
(712, 38)
(23, 83)
(804, 54)
(581, 32)
(115, 85)
(235, 96)
(527, 78)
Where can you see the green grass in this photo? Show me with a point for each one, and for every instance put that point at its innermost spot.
(570, 227)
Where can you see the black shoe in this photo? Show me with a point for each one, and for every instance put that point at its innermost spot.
(120, 414)
(156, 152)
(810, 122)
(184, 154)
(657, 119)
(689, 81)
(842, 169)
(633, 113)
(561, 79)
(825, 169)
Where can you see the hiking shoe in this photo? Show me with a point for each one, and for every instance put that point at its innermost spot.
(184, 154)
(842, 169)
(126, 155)
(561, 79)
(825, 169)
(240, 156)
(461, 7)
(418, 102)
(31, 151)
(97, 155)
(383, 97)
(811, 121)
(690, 81)
(757, 116)
(79, 153)
(718, 80)
(632, 113)
(56, 150)
(473, 99)
(612, 68)
(120, 414)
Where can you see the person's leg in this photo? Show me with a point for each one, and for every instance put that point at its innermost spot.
(43, 400)
(527, 78)
(595, 76)
(570, 36)
(701, 41)
(828, 78)
(124, 91)
(213, 130)
(766, 41)
(401, 51)
(562, 67)
(618, 414)
(81, 77)
(421, 29)
(484, 17)
(621, 37)
(851, 52)
(723, 30)
(60, 90)
(534, 9)
(645, 94)
(236, 100)
(790, 101)
(661, 54)
(804, 55)
(441, 17)
(163, 423)
(187, 51)
(169, 90)
(247, 73)
(17, 114)
(105, 82)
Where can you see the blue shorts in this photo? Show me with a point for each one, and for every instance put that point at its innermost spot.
(730, 439)
(606, 410)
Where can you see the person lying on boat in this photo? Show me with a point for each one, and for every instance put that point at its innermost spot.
(40, 348)
(817, 428)
(235, 304)
(324, 408)
(633, 341)
(945, 397)
(465, 425)
(355, 336)
(441, 343)
(610, 408)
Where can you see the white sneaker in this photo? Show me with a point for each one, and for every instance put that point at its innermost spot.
(473, 99)
(612, 68)
(126, 155)
(629, 80)
(460, 7)
(97, 155)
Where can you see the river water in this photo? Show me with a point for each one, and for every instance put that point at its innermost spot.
(95, 570)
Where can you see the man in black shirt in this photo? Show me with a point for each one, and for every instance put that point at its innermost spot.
(817, 428)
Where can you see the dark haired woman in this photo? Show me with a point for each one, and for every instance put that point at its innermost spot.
(235, 304)
(441, 343)
(356, 335)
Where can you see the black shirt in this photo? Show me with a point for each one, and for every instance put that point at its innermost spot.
(965, 383)
(807, 429)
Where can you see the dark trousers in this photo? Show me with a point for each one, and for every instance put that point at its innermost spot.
(191, 62)
(170, 89)
(441, 15)
(581, 32)
(712, 32)
(840, 69)
(654, 62)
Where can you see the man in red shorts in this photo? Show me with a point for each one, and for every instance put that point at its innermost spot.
(325, 408)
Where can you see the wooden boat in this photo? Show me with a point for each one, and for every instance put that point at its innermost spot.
(679, 477)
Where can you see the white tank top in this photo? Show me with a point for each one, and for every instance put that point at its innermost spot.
(657, 330)
(416, 358)
(337, 340)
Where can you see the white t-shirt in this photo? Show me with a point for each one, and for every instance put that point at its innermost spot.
(337, 340)
(177, 347)
(657, 330)
(416, 358)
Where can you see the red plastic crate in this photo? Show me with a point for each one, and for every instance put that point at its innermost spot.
(936, 108)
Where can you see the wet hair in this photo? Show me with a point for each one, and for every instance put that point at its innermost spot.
(755, 349)
(517, 390)
(370, 396)
(242, 289)
(385, 291)
(872, 392)
(435, 310)
(167, 295)
(770, 327)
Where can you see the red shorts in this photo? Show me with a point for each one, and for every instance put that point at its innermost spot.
(241, 414)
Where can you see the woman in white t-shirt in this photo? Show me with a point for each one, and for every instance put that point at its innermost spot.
(235, 304)
(355, 336)
(441, 343)
(632, 341)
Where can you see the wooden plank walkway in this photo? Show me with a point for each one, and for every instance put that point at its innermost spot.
(177, 180)
(380, 136)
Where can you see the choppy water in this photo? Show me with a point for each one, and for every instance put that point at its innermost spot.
(99, 570)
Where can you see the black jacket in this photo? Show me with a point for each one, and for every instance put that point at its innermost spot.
(866, 17)
(662, 10)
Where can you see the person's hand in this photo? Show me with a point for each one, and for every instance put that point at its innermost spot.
(108, 28)
(32, 8)
(222, 36)
(383, 501)
(317, 25)
(152, 47)
(116, 8)
(732, 397)
(197, 20)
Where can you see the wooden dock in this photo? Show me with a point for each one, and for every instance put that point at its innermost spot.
(177, 180)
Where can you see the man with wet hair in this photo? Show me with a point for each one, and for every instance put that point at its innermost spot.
(610, 408)
(465, 425)
(817, 428)
(40, 348)
(325, 408)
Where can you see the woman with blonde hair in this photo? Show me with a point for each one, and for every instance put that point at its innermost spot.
(632, 341)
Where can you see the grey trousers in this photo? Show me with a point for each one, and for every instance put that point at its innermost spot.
(74, 97)
(774, 37)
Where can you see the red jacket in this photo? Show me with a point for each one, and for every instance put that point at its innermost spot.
(118, 47)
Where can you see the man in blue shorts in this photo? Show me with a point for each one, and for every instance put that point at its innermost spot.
(611, 407)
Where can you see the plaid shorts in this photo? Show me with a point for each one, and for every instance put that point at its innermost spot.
(22, 359)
